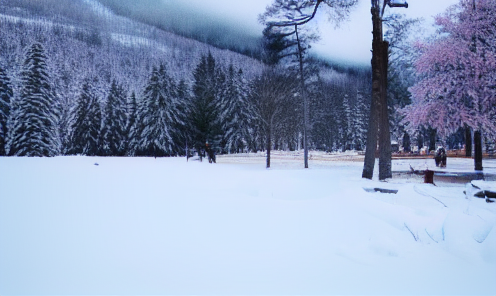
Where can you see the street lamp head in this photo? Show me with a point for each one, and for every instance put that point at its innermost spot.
(393, 3)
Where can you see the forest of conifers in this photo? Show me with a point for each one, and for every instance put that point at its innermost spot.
(95, 83)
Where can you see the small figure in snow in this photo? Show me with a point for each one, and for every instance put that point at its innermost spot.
(210, 153)
(440, 157)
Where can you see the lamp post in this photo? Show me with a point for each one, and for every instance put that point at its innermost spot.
(379, 119)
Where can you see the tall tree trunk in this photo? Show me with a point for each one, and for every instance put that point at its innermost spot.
(304, 96)
(384, 133)
(420, 140)
(432, 139)
(378, 105)
(478, 150)
(406, 142)
(371, 144)
(269, 144)
(468, 142)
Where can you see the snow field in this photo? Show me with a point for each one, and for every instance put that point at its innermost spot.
(167, 226)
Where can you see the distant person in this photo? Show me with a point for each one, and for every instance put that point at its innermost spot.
(440, 157)
(210, 153)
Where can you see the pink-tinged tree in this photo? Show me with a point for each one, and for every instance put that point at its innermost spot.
(457, 72)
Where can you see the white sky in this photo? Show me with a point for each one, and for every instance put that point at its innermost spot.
(350, 43)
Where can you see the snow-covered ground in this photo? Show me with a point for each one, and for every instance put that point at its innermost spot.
(167, 226)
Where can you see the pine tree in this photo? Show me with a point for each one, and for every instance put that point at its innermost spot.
(132, 111)
(159, 116)
(6, 95)
(182, 135)
(34, 126)
(235, 111)
(359, 121)
(204, 116)
(347, 127)
(114, 128)
(86, 125)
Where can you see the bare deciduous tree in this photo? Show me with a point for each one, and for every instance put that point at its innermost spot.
(272, 97)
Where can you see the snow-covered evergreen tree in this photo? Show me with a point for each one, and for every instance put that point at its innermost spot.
(132, 112)
(346, 126)
(86, 124)
(6, 95)
(204, 115)
(359, 121)
(235, 111)
(159, 116)
(34, 126)
(182, 135)
(114, 128)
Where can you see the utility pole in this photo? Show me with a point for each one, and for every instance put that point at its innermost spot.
(379, 119)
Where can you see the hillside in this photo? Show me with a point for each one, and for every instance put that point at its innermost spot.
(99, 42)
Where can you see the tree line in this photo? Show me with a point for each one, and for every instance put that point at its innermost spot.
(173, 118)
(145, 92)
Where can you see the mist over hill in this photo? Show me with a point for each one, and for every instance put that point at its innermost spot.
(174, 16)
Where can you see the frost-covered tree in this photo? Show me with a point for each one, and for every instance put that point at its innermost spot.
(132, 112)
(359, 121)
(401, 33)
(205, 109)
(457, 72)
(182, 130)
(6, 95)
(159, 116)
(34, 126)
(86, 124)
(115, 120)
(236, 112)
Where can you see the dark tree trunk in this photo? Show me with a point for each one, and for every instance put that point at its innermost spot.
(478, 151)
(406, 142)
(304, 96)
(420, 140)
(432, 139)
(375, 106)
(468, 142)
(371, 144)
(269, 144)
(378, 122)
(384, 133)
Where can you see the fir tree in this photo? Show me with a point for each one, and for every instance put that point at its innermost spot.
(132, 111)
(235, 111)
(204, 115)
(86, 125)
(159, 117)
(114, 128)
(359, 121)
(34, 126)
(5, 98)
(182, 136)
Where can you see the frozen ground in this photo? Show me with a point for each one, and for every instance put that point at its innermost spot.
(167, 226)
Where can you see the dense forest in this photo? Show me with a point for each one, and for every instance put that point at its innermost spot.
(96, 83)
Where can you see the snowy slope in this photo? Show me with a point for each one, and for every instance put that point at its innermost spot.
(99, 42)
(167, 226)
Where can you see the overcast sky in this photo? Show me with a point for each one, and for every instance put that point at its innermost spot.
(350, 43)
